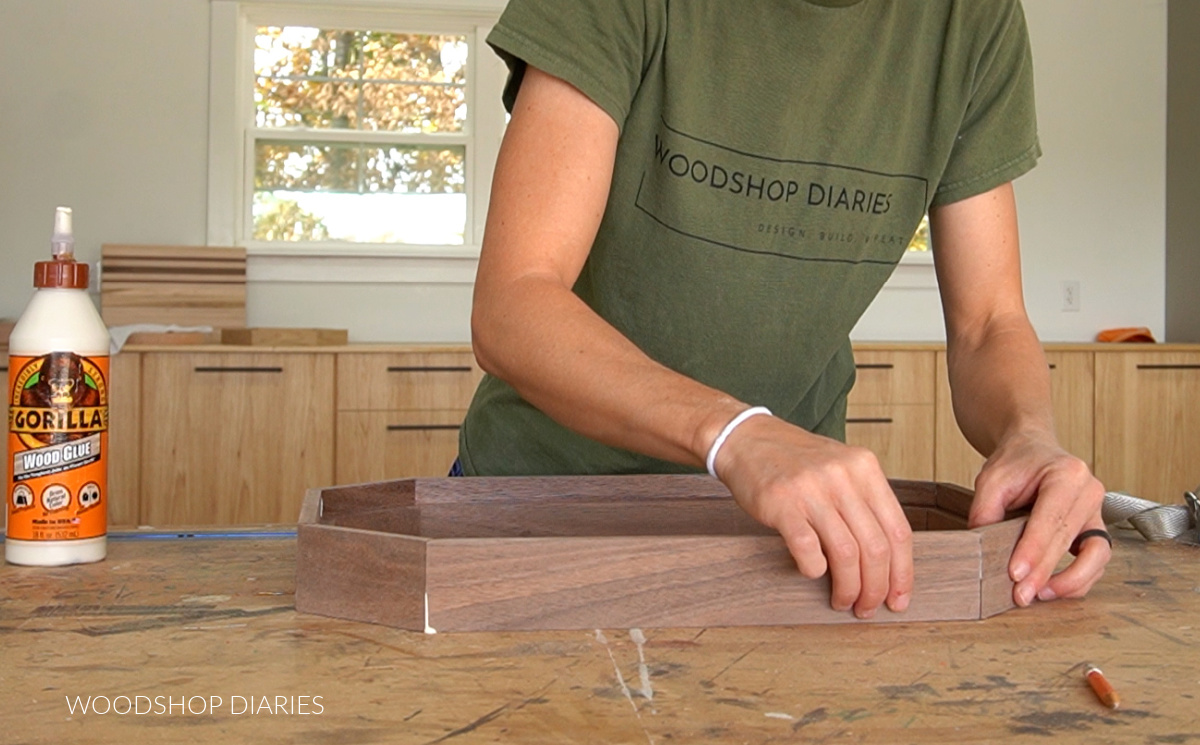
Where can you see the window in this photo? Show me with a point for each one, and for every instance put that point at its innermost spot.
(354, 140)
(920, 239)
(340, 131)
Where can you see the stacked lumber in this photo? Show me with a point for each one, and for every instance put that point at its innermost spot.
(284, 337)
(180, 285)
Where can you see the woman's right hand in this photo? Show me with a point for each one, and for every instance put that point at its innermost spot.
(833, 506)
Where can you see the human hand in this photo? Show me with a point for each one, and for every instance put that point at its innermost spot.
(1066, 500)
(831, 503)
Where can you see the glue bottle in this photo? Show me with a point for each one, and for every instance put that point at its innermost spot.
(58, 416)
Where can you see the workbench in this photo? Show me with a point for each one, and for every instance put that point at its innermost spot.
(199, 631)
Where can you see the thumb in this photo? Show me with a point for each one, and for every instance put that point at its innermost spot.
(987, 508)
(995, 494)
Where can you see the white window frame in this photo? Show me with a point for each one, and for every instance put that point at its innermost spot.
(231, 123)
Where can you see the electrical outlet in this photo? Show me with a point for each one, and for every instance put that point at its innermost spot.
(1071, 301)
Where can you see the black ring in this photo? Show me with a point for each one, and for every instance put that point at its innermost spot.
(1095, 533)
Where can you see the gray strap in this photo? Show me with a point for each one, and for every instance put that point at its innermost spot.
(1157, 522)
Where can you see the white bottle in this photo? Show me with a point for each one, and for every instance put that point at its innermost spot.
(57, 392)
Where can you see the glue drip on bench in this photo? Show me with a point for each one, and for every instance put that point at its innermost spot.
(428, 629)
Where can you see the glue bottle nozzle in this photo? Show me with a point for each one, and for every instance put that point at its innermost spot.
(62, 242)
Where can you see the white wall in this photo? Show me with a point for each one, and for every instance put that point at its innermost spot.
(105, 109)
(1183, 173)
(1094, 208)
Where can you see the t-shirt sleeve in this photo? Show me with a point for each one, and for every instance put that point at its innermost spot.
(598, 46)
(997, 140)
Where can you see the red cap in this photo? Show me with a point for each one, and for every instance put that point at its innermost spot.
(71, 275)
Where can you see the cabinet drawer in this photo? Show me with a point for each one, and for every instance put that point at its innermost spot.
(885, 377)
(1147, 405)
(233, 438)
(901, 437)
(381, 445)
(406, 381)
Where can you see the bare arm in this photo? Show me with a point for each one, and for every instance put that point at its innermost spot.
(831, 503)
(528, 328)
(1001, 390)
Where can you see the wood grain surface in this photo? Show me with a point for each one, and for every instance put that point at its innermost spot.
(175, 619)
(253, 410)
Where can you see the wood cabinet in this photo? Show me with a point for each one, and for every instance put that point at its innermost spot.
(1072, 388)
(124, 439)
(233, 437)
(890, 410)
(1148, 423)
(398, 413)
(236, 435)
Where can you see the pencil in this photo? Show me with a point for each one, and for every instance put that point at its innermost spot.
(1100, 685)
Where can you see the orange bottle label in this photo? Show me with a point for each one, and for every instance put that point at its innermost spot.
(57, 443)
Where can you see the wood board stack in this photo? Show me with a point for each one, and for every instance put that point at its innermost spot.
(173, 285)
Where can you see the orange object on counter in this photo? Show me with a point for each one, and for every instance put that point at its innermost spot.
(1127, 334)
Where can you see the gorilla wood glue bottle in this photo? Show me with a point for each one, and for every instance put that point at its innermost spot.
(58, 416)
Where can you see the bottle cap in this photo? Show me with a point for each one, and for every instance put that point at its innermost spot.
(70, 274)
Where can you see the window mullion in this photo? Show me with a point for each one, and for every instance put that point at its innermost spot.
(351, 136)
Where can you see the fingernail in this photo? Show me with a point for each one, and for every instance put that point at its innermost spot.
(900, 604)
(1046, 594)
(865, 614)
(1020, 571)
(1024, 595)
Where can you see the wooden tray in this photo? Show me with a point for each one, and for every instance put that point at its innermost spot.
(476, 554)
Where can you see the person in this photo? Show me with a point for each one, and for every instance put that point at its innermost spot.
(693, 204)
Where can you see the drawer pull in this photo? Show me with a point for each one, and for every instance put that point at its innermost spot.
(408, 427)
(442, 368)
(1053, 366)
(1168, 367)
(874, 366)
(869, 420)
(238, 369)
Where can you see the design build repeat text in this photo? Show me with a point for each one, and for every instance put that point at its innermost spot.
(196, 705)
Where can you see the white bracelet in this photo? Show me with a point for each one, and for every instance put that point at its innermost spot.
(711, 460)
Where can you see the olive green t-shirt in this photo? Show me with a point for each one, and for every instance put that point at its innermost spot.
(774, 160)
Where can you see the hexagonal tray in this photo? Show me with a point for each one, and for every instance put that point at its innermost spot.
(583, 552)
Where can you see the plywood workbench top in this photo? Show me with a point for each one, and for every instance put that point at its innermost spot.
(212, 617)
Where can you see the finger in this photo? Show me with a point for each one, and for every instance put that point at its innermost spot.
(805, 548)
(899, 536)
(1084, 571)
(987, 507)
(889, 516)
(874, 555)
(994, 496)
(1054, 522)
(841, 552)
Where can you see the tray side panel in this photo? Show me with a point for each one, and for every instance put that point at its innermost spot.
(915, 493)
(939, 519)
(361, 576)
(550, 488)
(996, 587)
(559, 583)
(617, 487)
(362, 498)
(954, 499)
(310, 508)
